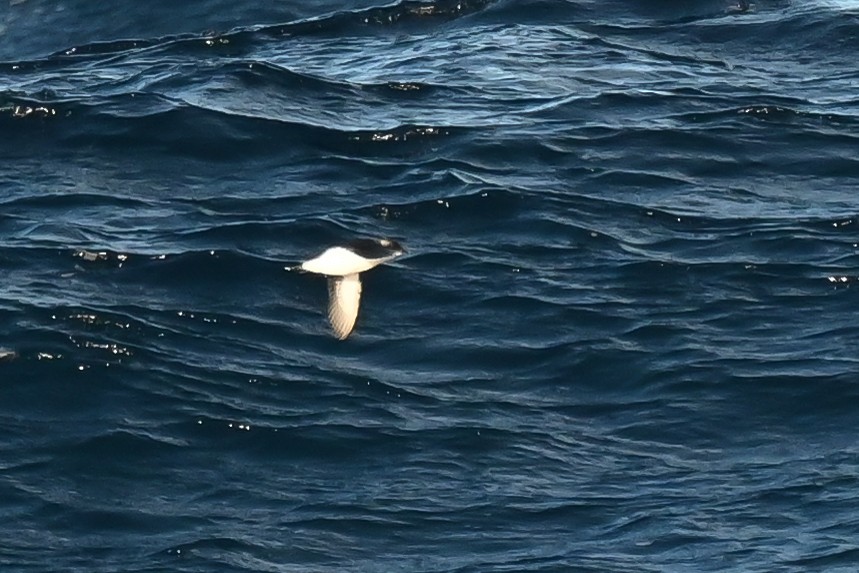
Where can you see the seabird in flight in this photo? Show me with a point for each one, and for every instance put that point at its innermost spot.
(342, 265)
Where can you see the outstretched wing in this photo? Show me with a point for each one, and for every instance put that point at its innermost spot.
(344, 298)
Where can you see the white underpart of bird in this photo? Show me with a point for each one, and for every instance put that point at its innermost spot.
(342, 265)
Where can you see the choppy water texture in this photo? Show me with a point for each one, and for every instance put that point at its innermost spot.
(624, 338)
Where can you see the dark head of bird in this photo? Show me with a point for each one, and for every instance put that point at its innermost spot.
(375, 248)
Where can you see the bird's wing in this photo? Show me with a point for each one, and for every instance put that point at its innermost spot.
(344, 297)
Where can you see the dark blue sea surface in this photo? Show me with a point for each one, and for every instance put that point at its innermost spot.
(624, 338)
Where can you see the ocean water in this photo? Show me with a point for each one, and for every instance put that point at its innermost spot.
(624, 337)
